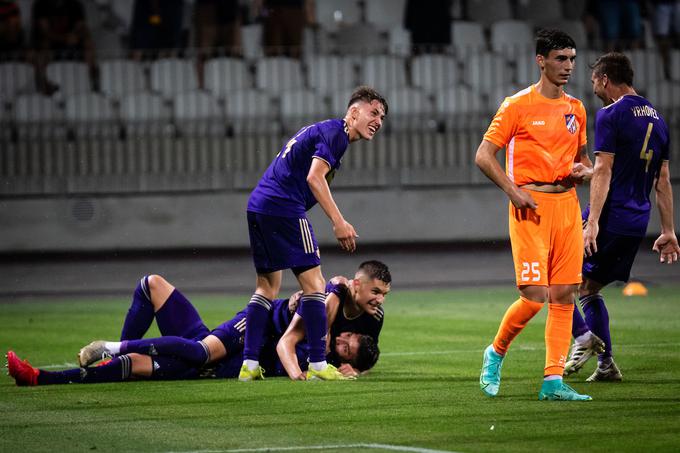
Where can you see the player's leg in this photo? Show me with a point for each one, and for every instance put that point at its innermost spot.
(140, 314)
(586, 343)
(564, 267)
(257, 318)
(526, 238)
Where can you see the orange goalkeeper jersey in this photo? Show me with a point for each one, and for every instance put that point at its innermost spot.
(541, 136)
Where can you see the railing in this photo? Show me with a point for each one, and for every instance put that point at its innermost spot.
(184, 124)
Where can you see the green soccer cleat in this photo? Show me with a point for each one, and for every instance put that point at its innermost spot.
(606, 373)
(557, 390)
(330, 373)
(93, 352)
(582, 352)
(490, 379)
(247, 375)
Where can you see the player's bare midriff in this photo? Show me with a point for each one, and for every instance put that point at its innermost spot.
(549, 187)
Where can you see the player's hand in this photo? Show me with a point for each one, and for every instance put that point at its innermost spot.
(522, 199)
(300, 377)
(347, 370)
(346, 235)
(590, 232)
(580, 173)
(667, 247)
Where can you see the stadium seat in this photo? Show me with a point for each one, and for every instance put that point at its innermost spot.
(251, 112)
(277, 74)
(581, 73)
(118, 78)
(170, 76)
(90, 115)
(468, 38)
(664, 95)
(385, 14)
(339, 100)
(16, 78)
(647, 65)
(499, 93)
(198, 113)
(526, 69)
(144, 114)
(399, 42)
(252, 39)
(386, 72)
(359, 39)
(540, 13)
(577, 31)
(300, 108)
(487, 12)
(72, 77)
(485, 71)
(459, 107)
(511, 38)
(434, 71)
(225, 74)
(674, 63)
(410, 109)
(327, 74)
(37, 117)
(333, 14)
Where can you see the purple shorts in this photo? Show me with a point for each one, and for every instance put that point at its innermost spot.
(279, 243)
(613, 260)
(231, 333)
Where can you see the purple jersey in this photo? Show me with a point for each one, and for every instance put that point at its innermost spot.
(283, 189)
(364, 323)
(633, 131)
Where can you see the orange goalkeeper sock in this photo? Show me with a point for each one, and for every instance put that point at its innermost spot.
(516, 318)
(557, 337)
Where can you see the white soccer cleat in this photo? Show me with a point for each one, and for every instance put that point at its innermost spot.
(93, 352)
(606, 373)
(582, 352)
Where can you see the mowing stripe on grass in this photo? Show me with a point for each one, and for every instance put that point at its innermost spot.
(324, 447)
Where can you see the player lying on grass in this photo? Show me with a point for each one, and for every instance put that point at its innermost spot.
(188, 348)
(352, 306)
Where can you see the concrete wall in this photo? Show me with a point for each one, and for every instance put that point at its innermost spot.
(391, 215)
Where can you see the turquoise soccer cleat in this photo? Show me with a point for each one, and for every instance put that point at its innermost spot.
(557, 390)
(490, 379)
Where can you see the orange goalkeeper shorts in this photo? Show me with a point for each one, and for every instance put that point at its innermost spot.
(547, 243)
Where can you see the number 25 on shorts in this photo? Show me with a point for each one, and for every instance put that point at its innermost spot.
(530, 272)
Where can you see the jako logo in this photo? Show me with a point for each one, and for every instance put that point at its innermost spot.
(538, 123)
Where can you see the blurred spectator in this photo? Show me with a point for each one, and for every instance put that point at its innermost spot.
(666, 20)
(620, 23)
(11, 34)
(217, 30)
(429, 22)
(284, 24)
(156, 27)
(60, 31)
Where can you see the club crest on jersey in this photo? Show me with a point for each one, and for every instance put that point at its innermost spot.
(570, 120)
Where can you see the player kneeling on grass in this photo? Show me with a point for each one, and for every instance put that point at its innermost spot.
(188, 350)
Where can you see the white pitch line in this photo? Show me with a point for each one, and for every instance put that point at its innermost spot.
(323, 447)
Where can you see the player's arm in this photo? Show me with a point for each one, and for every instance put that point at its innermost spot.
(583, 167)
(285, 348)
(667, 243)
(599, 189)
(316, 178)
(486, 160)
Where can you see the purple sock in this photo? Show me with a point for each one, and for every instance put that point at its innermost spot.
(140, 314)
(578, 326)
(313, 311)
(116, 370)
(597, 318)
(190, 350)
(257, 317)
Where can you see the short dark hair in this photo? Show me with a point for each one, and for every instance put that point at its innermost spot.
(376, 270)
(616, 66)
(367, 94)
(367, 354)
(552, 39)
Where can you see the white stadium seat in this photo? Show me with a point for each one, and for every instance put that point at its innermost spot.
(170, 76)
(120, 77)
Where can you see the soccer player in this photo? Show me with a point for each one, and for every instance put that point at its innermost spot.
(281, 237)
(544, 132)
(352, 306)
(217, 354)
(631, 157)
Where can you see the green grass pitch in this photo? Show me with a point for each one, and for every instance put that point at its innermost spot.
(423, 394)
